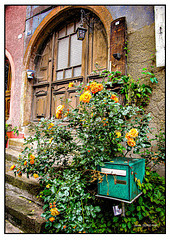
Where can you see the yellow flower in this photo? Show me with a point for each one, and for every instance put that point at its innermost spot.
(51, 219)
(131, 142)
(12, 167)
(115, 98)
(50, 140)
(54, 212)
(59, 111)
(48, 186)
(35, 175)
(85, 97)
(133, 132)
(71, 84)
(118, 134)
(25, 163)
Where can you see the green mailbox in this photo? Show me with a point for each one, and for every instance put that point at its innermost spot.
(120, 178)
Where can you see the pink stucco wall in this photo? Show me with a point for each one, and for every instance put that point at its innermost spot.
(14, 26)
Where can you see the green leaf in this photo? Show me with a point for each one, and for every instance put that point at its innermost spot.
(138, 208)
(129, 225)
(57, 225)
(123, 225)
(80, 219)
(97, 209)
(53, 189)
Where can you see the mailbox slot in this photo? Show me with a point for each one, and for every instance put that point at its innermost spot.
(114, 172)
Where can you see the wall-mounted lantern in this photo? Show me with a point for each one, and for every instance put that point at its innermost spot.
(30, 74)
(81, 31)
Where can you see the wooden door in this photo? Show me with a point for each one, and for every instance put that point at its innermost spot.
(63, 59)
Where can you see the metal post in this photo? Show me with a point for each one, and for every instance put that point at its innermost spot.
(123, 209)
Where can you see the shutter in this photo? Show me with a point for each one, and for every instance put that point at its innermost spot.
(117, 45)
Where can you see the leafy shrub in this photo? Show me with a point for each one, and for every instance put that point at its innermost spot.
(66, 165)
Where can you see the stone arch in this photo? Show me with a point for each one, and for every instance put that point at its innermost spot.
(100, 11)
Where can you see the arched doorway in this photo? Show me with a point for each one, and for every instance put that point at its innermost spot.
(8, 79)
(61, 59)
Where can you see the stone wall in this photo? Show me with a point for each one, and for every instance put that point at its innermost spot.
(14, 44)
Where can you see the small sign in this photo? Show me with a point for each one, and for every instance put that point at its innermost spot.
(117, 211)
(30, 74)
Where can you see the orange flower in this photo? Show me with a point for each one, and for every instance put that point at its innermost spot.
(35, 175)
(115, 98)
(51, 125)
(19, 174)
(133, 132)
(94, 89)
(100, 86)
(127, 136)
(71, 84)
(64, 226)
(31, 161)
(25, 163)
(51, 219)
(74, 227)
(12, 167)
(32, 157)
(87, 88)
(85, 97)
(93, 84)
(88, 151)
(131, 142)
(54, 211)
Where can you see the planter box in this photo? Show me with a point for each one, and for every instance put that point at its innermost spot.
(119, 178)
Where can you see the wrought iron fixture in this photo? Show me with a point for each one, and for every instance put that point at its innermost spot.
(81, 31)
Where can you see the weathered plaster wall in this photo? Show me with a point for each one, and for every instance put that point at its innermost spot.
(14, 26)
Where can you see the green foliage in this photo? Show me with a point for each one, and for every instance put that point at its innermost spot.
(157, 156)
(66, 165)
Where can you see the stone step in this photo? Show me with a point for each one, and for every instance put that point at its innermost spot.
(22, 211)
(29, 185)
(16, 144)
(10, 228)
(11, 155)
